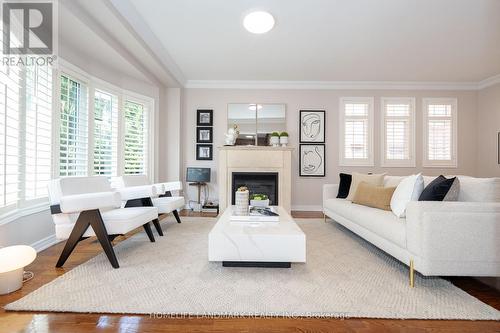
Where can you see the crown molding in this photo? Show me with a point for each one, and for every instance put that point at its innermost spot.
(341, 85)
(330, 85)
(488, 82)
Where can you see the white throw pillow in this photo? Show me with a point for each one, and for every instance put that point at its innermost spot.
(409, 189)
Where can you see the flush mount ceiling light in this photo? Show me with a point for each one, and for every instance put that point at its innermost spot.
(258, 22)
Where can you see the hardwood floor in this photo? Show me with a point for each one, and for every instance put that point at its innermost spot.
(44, 270)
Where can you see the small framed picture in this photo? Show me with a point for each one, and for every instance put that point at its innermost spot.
(205, 117)
(312, 126)
(204, 134)
(204, 152)
(312, 160)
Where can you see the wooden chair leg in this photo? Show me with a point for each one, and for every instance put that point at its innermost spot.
(97, 224)
(176, 214)
(149, 232)
(157, 225)
(79, 229)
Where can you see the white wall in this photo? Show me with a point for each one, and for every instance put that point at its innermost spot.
(488, 129)
(217, 99)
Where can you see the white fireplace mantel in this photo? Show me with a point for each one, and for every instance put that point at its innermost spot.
(255, 159)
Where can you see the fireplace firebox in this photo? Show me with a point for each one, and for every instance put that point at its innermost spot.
(257, 182)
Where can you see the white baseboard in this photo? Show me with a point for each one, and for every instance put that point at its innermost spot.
(45, 243)
(312, 208)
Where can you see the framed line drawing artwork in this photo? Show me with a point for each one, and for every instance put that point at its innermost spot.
(204, 117)
(312, 160)
(312, 126)
(204, 134)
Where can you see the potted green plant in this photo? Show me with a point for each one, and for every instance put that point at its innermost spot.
(275, 139)
(259, 200)
(284, 139)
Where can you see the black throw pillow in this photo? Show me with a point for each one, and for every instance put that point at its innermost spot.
(437, 189)
(344, 185)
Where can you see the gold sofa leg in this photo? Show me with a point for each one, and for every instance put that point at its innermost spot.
(412, 274)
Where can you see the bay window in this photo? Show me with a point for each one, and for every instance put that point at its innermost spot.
(102, 130)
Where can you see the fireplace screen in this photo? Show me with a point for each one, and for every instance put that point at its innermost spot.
(257, 183)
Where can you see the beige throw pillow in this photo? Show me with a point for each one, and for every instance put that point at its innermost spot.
(374, 196)
(377, 180)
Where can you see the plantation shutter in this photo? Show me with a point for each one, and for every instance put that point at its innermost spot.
(73, 135)
(440, 138)
(38, 137)
(105, 133)
(356, 131)
(136, 138)
(10, 143)
(397, 131)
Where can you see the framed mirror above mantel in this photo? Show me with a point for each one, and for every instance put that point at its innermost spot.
(256, 121)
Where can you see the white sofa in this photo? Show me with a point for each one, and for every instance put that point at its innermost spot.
(459, 238)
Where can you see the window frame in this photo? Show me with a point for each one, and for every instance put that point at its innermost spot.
(453, 163)
(93, 84)
(393, 163)
(353, 162)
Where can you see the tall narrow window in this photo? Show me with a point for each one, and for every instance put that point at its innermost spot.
(398, 128)
(38, 139)
(440, 137)
(136, 137)
(10, 140)
(356, 131)
(105, 133)
(73, 129)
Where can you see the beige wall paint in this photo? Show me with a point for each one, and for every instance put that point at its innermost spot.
(217, 99)
(488, 129)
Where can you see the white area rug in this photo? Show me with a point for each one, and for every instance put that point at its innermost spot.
(344, 277)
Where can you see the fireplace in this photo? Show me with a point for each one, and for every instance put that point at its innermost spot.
(257, 182)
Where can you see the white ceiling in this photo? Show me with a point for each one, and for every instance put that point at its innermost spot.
(329, 40)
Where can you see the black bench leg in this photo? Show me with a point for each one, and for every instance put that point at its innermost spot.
(157, 225)
(79, 229)
(97, 224)
(149, 232)
(94, 219)
(176, 214)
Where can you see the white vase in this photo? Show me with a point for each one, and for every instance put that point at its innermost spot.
(241, 202)
(275, 141)
(284, 140)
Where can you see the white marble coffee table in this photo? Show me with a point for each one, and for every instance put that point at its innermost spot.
(257, 244)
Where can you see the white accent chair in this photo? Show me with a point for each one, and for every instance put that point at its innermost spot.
(137, 191)
(83, 207)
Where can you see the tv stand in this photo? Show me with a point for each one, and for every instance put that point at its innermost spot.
(199, 185)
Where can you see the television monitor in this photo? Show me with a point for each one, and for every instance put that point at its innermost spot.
(198, 175)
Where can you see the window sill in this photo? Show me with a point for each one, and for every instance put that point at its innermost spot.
(15, 214)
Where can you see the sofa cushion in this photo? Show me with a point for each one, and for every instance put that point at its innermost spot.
(344, 185)
(380, 222)
(479, 189)
(377, 180)
(373, 196)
